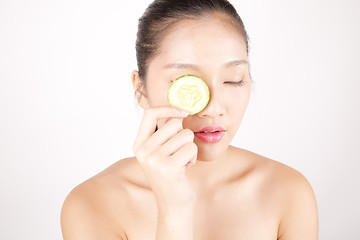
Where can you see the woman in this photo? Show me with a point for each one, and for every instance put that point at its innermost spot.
(186, 181)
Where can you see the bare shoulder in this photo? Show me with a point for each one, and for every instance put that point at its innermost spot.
(275, 173)
(95, 208)
(291, 192)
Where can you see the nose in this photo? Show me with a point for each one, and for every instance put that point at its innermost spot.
(215, 107)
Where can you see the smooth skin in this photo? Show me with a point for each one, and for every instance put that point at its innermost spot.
(178, 187)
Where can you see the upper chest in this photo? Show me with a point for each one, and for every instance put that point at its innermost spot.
(224, 214)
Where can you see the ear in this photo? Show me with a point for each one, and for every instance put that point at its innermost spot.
(139, 89)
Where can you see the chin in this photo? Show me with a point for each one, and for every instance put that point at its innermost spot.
(211, 151)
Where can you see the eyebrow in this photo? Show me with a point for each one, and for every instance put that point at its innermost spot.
(236, 63)
(196, 67)
(182, 66)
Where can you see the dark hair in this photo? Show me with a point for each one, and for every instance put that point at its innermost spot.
(162, 14)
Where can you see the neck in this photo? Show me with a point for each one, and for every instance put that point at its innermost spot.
(209, 172)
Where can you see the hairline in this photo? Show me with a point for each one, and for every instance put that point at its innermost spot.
(172, 22)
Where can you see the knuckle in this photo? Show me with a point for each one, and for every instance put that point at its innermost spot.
(164, 170)
(147, 162)
(151, 159)
(175, 123)
(155, 157)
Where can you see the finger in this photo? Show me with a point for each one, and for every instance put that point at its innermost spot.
(164, 134)
(176, 142)
(150, 118)
(185, 154)
(191, 163)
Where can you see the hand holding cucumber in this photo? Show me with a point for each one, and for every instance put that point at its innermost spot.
(164, 155)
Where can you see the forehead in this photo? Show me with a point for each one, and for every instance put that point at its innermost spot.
(207, 40)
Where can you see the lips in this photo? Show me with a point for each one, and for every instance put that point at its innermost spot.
(211, 129)
(210, 134)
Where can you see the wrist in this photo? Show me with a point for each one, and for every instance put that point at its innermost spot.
(175, 223)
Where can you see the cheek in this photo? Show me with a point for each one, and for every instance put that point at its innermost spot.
(237, 106)
(157, 95)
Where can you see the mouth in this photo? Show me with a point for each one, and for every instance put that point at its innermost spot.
(210, 129)
(210, 134)
(207, 132)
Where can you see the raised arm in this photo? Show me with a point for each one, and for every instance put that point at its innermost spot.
(164, 156)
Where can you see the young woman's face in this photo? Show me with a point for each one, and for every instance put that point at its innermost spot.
(212, 49)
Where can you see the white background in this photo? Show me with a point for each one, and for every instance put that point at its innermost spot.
(67, 109)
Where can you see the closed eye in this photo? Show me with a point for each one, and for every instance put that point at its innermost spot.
(239, 83)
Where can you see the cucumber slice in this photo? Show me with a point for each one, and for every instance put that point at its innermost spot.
(190, 93)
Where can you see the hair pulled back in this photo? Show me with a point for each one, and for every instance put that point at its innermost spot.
(162, 14)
